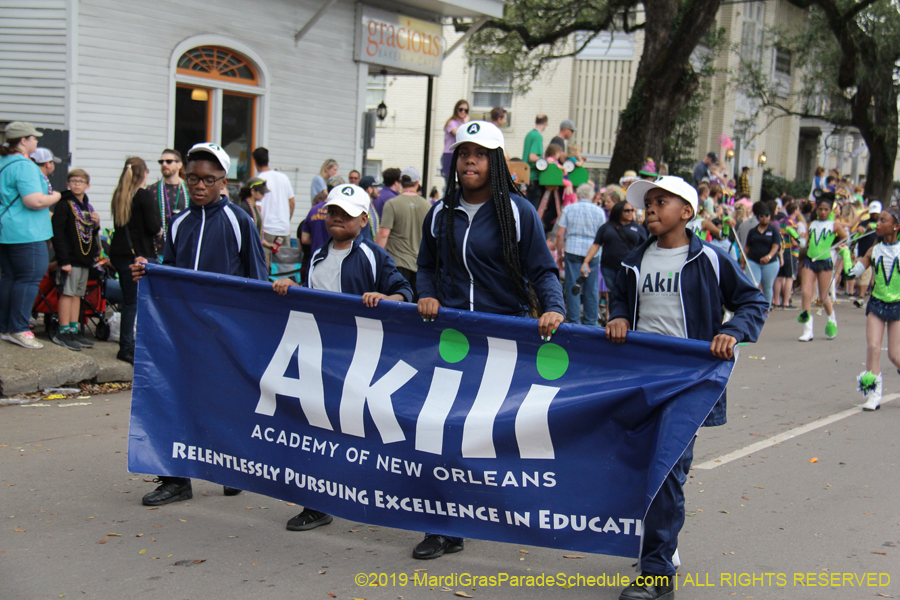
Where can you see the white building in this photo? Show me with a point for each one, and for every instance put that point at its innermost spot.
(594, 86)
(109, 79)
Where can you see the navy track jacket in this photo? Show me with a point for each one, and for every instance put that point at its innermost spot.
(480, 281)
(216, 238)
(366, 268)
(710, 279)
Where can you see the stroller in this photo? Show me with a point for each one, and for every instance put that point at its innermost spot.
(93, 303)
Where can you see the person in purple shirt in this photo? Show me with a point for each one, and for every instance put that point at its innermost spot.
(390, 187)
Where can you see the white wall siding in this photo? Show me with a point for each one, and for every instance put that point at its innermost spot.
(33, 62)
(124, 87)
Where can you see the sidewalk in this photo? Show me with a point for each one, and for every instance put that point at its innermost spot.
(24, 371)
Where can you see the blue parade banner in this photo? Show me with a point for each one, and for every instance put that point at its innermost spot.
(469, 425)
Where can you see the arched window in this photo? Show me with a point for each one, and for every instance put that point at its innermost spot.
(217, 63)
(217, 93)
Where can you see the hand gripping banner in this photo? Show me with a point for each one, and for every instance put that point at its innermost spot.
(469, 425)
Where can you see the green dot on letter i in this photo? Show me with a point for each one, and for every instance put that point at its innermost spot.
(552, 361)
(453, 346)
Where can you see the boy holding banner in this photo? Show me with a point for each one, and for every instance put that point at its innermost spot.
(213, 236)
(349, 263)
(676, 285)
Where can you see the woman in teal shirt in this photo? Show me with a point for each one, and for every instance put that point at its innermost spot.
(24, 230)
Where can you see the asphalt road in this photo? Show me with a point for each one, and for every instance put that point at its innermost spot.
(806, 518)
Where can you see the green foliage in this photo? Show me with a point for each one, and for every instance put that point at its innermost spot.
(773, 186)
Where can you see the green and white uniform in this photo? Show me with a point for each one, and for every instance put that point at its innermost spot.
(695, 225)
(821, 239)
(886, 266)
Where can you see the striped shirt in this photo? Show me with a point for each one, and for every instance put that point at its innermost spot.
(581, 220)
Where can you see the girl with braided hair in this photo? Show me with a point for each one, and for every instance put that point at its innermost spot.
(481, 248)
(884, 305)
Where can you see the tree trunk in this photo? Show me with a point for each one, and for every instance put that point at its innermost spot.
(664, 82)
(876, 119)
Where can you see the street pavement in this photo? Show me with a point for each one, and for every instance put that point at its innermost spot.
(806, 518)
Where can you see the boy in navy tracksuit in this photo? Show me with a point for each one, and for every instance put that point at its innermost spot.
(707, 280)
(214, 236)
(348, 263)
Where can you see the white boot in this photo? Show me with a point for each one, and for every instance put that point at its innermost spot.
(831, 326)
(872, 391)
(807, 328)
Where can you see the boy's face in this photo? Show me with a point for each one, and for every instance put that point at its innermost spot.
(79, 186)
(341, 226)
(473, 167)
(205, 180)
(665, 212)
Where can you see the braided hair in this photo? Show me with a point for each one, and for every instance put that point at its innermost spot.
(501, 184)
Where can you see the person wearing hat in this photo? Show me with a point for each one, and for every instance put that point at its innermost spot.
(44, 159)
(648, 170)
(400, 229)
(214, 236)
(701, 169)
(566, 130)
(170, 192)
(647, 298)
(25, 199)
(250, 198)
(864, 229)
(481, 248)
(627, 178)
(348, 264)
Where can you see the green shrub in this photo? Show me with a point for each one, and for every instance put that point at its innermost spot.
(773, 186)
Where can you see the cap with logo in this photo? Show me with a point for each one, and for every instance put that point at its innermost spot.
(258, 184)
(351, 198)
(20, 129)
(483, 133)
(568, 124)
(215, 150)
(874, 207)
(412, 173)
(674, 185)
(43, 155)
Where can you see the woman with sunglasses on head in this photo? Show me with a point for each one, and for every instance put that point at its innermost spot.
(460, 117)
(482, 247)
(137, 221)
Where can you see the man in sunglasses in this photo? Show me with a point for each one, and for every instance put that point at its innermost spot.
(170, 192)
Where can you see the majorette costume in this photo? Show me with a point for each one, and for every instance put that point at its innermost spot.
(818, 259)
(884, 304)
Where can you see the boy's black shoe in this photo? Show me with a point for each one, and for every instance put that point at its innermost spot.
(167, 492)
(66, 340)
(126, 355)
(435, 546)
(650, 587)
(230, 491)
(309, 519)
(79, 337)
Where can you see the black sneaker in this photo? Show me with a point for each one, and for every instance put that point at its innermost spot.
(309, 519)
(435, 546)
(650, 587)
(85, 343)
(66, 340)
(167, 492)
(126, 355)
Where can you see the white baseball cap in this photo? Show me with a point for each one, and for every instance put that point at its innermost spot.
(875, 207)
(351, 198)
(215, 150)
(43, 155)
(675, 185)
(483, 133)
